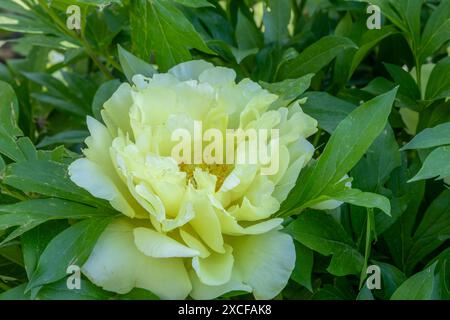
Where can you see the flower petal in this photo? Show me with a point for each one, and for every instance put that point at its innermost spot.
(117, 265)
(194, 243)
(89, 176)
(190, 70)
(215, 269)
(265, 262)
(206, 223)
(157, 245)
(116, 110)
(201, 291)
(218, 76)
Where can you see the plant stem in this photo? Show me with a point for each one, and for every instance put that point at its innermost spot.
(317, 138)
(81, 38)
(419, 77)
(369, 227)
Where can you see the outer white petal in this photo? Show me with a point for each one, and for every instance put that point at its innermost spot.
(98, 144)
(300, 154)
(89, 176)
(116, 110)
(190, 70)
(157, 245)
(218, 76)
(265, 262)
(117, 265)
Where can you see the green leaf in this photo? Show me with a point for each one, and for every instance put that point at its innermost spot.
(71, 247)
(315, 57)
(131, 65)
(421, 286)
(391, 278)
(59, 291)
(351, 139)
(367, 42)
(9, 110)
(99, 2)
(320, 232)
(406, 203)
(248, 35)
(374, 169)
(47, 178)
(59, 104)
(329, 111)
(438, 86)
(16, 293)
(348, 61)
(405, 14)
(276, 19)
(31, 213)
(430, 137)
(36, 240)
(65, 137)
(195, 3)
(363, 199)
(26, 24)
(2, 166)
(288, 90)
(408, 85)
(437, 164)
(159, 27)
(365, 294)
(303, 266)
(57, 94)
(436, 32)
(433, 230)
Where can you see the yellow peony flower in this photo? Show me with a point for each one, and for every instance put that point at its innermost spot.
(190, 229)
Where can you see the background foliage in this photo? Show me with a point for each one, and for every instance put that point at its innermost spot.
(380, 96)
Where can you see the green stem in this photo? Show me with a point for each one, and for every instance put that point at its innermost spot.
(369, 227)
(81, 38)
(296, 11)
(317, 138)
(419, 77)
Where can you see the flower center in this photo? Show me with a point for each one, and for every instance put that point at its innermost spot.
(221, 171)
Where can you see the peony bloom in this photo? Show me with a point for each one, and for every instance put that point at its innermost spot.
(190, 229)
